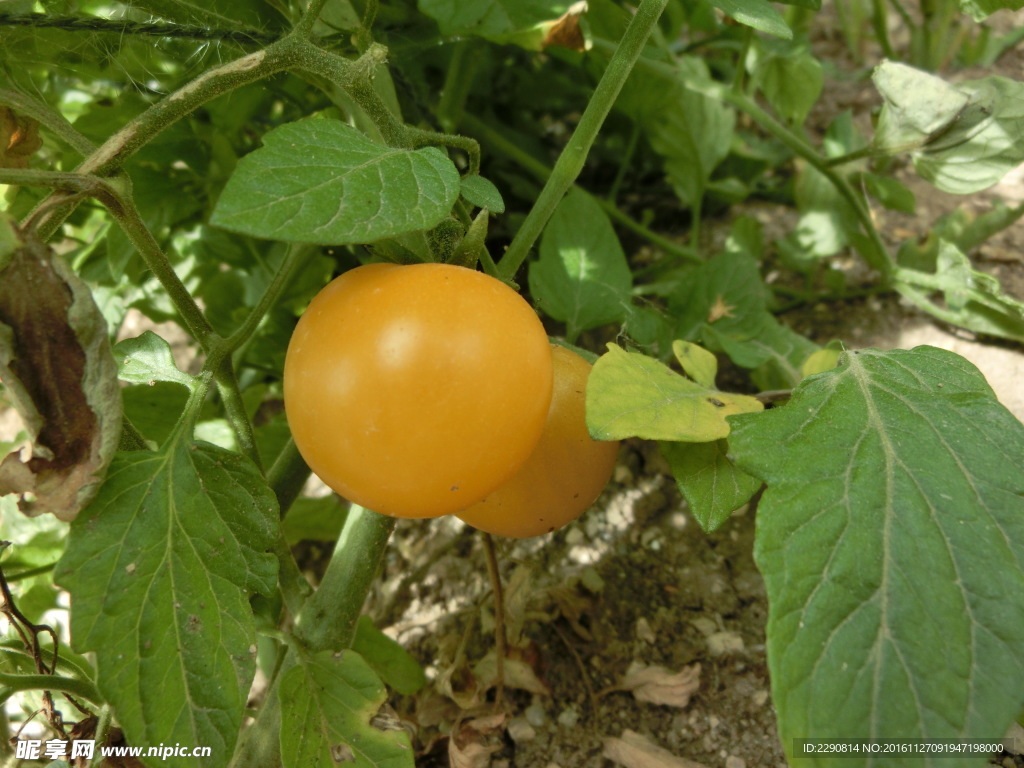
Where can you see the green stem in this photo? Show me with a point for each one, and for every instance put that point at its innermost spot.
(624, 163)
(304, 26)
(234, 406)
(328, 619)
(292, 260)
(739, 75)
(570, 161)
(880, 21)
(457, 83)
(83, 689)
(498, 143)
(106, 718)
(29, 573)
(287, 476)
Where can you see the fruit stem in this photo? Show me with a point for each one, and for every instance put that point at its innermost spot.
(500, 641)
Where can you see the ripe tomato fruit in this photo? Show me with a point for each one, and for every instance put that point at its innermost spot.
(566, 471)
(417, 390)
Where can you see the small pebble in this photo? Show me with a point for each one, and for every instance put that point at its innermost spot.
(568, 718)
(519, 729)
(536, 716)
(721, 643)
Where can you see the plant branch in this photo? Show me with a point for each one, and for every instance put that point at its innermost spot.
(328, 619)
(304, 26)
(570, 162)
(83, 689)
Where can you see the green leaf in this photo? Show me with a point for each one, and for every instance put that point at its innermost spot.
(890, 193)
(979, 10)
(789, 75)
(320, 181)
(154, 409)
(962, 138)
(971, 299)
(148, 358)
(388, 659)
(632, 395)
(327, 703)
(697, 363)
(712, 485)
(691, 131)
(160, 568)
(482, 193)
(892, 482)
(759, 14)
(523, 22)
(582, 276)
(315, 519)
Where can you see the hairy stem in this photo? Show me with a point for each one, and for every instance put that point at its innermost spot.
(574, 155)
(83, 689)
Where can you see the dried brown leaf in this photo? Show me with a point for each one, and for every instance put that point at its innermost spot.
(473, 755)
(19, 139)
(518, 674)
(56, 362)
(636, 751)
(658, 685)
(566, 31)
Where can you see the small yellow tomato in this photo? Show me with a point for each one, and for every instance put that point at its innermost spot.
(417, 390)
(566, 471)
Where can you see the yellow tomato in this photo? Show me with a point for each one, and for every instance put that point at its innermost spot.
(417, 390)
(566, 471)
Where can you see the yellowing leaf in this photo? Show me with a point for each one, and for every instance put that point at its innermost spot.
(699, 364)
(632, 395)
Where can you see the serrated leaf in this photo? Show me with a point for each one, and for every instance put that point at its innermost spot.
(327, 703)
(697, 363)
(56, 363)
(759, 14)
(632, 395)
(582, 276)
(323, 182)
(894, 482)
(160, 568)
(397, 669)
(482, 193)
(712, 485)
(148, 358)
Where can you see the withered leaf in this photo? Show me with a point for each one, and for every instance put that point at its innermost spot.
(518, 674)
(56, 363)
(658, 685)
(566, 31)
(636, 751)
(19, 139)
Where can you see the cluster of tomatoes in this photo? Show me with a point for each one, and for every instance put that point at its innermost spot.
(431, 389)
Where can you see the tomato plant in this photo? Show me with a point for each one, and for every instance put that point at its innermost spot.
(566, 471)
(417, 390)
